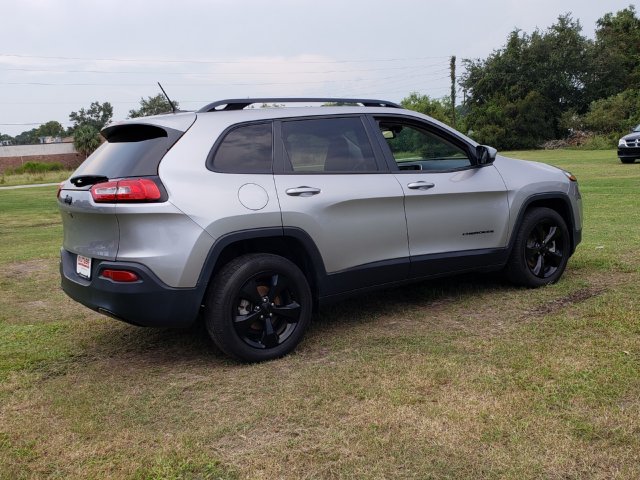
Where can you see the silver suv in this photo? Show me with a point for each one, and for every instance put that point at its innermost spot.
(252, 217)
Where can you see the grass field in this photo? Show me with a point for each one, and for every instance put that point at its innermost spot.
(33, 178)
(460, 378)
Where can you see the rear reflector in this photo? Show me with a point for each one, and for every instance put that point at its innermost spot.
(129, 190)
(120, 275)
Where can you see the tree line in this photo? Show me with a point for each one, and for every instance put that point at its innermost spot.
(549, 85)
(87, 123)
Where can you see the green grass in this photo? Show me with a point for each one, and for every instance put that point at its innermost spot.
(30, 225)
(8, 179)
(459, 378)
(35, 168)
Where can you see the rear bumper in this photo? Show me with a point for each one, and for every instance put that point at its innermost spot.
(147, 302)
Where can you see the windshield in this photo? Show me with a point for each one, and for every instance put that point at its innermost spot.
(636, 128)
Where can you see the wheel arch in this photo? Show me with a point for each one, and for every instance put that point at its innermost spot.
(558, 202)
(291, 243)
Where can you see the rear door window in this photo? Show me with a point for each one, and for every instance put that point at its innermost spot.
(327, 145)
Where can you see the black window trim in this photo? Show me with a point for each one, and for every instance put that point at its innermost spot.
(429, 127)
(214, 149)
(282, 165)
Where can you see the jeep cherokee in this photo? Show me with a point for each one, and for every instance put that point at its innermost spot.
(252, 217)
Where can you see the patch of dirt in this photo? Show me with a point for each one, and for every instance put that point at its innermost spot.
(37, 304)
(571, 299)
(27, 267)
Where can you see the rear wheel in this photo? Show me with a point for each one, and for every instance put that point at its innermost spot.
(541, 249)
(258, 307)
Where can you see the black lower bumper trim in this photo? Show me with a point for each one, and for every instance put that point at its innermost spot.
(147, 302)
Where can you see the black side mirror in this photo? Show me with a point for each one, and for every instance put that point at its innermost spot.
(485, 155)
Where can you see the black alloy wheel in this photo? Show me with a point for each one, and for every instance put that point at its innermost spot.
(266, 312)
(544, 249)
(258, 307)
(541, 249)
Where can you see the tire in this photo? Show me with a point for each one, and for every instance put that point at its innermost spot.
(627, 160)
(541, 249)
(258, 307)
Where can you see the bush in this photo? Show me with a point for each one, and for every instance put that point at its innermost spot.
(36, 167)
(601, 142)
(613, 114)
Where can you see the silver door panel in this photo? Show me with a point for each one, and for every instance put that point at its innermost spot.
(354, 219)
(456, 211)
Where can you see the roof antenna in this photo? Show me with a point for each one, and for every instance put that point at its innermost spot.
(173, 107)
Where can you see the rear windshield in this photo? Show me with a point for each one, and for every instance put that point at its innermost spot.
(130, 151)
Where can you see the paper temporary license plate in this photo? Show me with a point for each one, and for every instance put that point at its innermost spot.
(83, 266)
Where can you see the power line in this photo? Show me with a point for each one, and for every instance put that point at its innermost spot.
(280, 72)
(207, 61)
(243, 84)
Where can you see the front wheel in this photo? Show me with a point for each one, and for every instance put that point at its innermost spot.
(541, 249)
(627, 160)
(258, 308)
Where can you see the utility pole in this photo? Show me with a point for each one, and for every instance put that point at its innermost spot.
(453, 90)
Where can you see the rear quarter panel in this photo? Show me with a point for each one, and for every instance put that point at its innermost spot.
(218, 203)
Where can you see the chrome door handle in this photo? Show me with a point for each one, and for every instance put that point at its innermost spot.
(302, 191)
(421, 185)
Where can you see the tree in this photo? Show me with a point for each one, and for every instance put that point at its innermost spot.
(97, 116)
(614, 114)
(6, 138)
(50, 129)
(152, 106)
(86, 139)
(438, 109)
(616, 58)
(573, 82)
(518, 95)
(553, 63)
(28, 137)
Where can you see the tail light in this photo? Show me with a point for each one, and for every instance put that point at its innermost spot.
(124, 276)
(128, 190)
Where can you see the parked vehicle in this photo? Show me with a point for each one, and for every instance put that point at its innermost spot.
(629, 146)
(253, 217)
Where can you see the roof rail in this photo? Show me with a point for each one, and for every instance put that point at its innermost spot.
(240, 103)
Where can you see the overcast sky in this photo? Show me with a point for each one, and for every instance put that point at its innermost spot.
(59, 56)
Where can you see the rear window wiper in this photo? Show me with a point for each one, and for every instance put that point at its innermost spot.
(84, 180)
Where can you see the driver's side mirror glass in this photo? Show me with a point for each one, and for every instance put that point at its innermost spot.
(485, 155)
(388, 134)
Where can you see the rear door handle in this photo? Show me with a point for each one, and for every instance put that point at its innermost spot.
(302, 191)
(421, 185)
